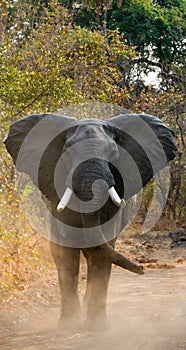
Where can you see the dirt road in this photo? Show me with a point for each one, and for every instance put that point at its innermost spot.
(146, 313)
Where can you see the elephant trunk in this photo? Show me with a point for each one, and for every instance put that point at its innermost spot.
(119, 260)
(86, 174)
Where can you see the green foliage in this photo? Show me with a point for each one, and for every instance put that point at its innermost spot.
(170, 3)
(85, 17)
(59, 64)
(153, 27)
(156, 28)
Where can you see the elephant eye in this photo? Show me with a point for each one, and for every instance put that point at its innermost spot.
(112, 132)
(66, 147)
(113, 150)
(69, 143)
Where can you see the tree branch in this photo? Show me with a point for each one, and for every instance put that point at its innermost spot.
(146, 60)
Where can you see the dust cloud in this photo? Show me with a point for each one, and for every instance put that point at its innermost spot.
(146, 313)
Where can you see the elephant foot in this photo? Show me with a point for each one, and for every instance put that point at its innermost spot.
(70, 324)
(97, 325)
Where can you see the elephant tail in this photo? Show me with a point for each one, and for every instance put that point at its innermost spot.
(119, 260)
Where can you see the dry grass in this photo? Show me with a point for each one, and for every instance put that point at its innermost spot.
(24, 255)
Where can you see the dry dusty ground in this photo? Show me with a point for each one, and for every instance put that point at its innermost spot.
(146, 312)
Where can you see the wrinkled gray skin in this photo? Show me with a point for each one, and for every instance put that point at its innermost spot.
(48, 137)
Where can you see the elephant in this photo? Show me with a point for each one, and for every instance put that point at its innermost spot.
(88, 170)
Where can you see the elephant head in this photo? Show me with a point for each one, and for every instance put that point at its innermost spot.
(89, 169)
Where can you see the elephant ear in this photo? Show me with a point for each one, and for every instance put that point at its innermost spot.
(35, 144)
(145, 146)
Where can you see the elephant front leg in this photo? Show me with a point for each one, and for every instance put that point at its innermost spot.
(99, 269)
(67, 263)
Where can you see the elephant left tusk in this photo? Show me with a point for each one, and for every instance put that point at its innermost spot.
(64, 200)
(115, 198)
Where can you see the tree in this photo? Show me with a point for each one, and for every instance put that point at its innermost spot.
(58, 63)
(101, 8)
(157, 29)
(91, 13)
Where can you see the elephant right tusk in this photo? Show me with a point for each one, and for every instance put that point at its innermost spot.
(115, 198)
(64, 200)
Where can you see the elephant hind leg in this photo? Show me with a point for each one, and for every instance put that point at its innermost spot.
(67, 263)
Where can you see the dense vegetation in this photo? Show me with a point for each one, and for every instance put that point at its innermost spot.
(58, 53)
